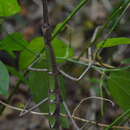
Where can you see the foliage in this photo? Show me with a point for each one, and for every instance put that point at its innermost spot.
(119, 86)
(4, 80)
(36, 54)
(8, 8)
(110, 42)
(9, 44)
(27, 57)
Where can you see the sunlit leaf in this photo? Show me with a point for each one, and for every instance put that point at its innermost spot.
(13, 42)
(113, 42)
(28, 55)
(9, 7)
(61, 49)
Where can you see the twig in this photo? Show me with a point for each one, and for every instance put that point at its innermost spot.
(10, 96)
(73, 13)
(21, 110)
(86, 125)
(84, 72)
(64, 115)
(88, 98)
(37, 69)
(95, 33)
(101, 90)
(73, 78)
(70, 116)
(89, 59)
(33, 108)
(96, 65)
(94, 36)
(118, 119)
(99, 124)
(52, 65)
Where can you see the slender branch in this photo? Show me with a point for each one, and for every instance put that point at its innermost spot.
(14, 91)
(37, 69)
(101, 90)
(64, 115)
(70, 116)
(84, 72)
(2, 108)
(91, 42)
(52, 65)
(73, 78)
(73, 13)
(118, 119)
(32, 108)
(88, 98)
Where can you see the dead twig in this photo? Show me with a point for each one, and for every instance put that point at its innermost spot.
(64, 115)
(88, 98)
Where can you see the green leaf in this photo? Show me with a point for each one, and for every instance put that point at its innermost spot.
(62, 50)
(65, 122)
(26, 56)
(4, 80)
(15, 72)
(13, 42)
(9, 7)
(113, 42)
(63, 85)
(52, 108)
(119, 86)
(38, 83)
